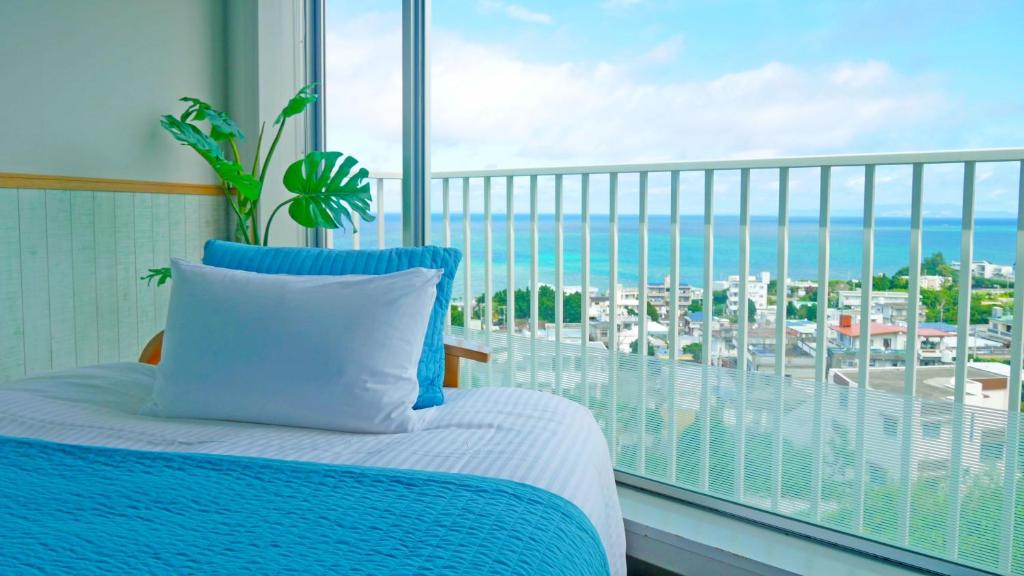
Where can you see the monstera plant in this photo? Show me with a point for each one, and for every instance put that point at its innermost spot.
(329, 188)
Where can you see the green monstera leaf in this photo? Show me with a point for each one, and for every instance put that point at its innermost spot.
(222, 127)
(191, 136)
(327, 190)
(160, 275)
(234, 174)
(304, 97)
(230, 171)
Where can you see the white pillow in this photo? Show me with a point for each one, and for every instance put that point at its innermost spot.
(331, 352)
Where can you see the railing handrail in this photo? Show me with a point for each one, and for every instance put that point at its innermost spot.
(832, 160)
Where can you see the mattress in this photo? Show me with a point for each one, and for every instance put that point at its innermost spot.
(520, 435)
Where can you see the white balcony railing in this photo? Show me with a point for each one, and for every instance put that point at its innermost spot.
(939, 477)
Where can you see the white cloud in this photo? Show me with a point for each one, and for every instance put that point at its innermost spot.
(664, 51)
(518, 12)
(492, 108)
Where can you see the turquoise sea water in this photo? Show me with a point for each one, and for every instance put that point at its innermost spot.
(993, 241)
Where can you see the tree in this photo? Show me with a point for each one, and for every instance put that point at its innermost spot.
(718, 301)
(934, 265)
(696, 306)
(571, 307)
(882, 282)
(571, 304)
(791, 311)
(751, 310)
(636, 346)
(694, 350)
(458, 318)
(652, 312)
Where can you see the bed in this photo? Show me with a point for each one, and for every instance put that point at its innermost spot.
(535, 446)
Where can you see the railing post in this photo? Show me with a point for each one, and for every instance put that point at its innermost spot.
(534, 284)
(559, 280)
(613, 310)
(780, 336)
(447, 225)
(742, 312)
(864, 352)
(467, 257)
(709, 260)
(962, 353)
(641, 347)
(673, 328)
(355, 233)
(488, 310)
(1012, 445)
(585, 284)
(510, 289)
(781, 291)
(910, 361)
(706, 339)
(821, 340)
(534, 233)
(510, 230)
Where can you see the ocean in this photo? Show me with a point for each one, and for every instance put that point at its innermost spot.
(993, 240)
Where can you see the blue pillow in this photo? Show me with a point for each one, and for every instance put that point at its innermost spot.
(324, 262)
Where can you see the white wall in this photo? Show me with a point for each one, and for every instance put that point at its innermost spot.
(84, 82)
(267, 51)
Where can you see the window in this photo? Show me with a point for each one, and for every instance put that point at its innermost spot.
(992, 444)
(877, 475)
(547, 120)
(890, 425)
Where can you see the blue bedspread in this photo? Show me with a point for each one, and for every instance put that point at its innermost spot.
(84, 510)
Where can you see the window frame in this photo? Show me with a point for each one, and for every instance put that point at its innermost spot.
(416, 152)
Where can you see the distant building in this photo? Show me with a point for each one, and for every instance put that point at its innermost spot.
(888, 345)
(883, 337)
(1000, 324)
(934, 282)
(800, 288)
(988, 270)
(660, 298)
(757, 292)
(886, 307)
(986, 383)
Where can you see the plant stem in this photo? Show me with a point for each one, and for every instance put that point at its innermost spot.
(259, 146)
(266, 231)
(270, 153)
(234, 150)
(241, 219)
(255, 224)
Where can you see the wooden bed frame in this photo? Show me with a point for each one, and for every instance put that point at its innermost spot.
(454, 349)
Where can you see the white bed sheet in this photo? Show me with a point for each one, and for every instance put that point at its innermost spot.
(520, 435)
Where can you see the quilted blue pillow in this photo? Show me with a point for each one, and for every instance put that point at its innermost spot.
(323, 262)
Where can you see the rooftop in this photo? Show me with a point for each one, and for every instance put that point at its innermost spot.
(876, 329)
(936, 382)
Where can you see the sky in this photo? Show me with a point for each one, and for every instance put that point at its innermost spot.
(574, 82)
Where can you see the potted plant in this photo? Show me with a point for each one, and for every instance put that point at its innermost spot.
(327, 187)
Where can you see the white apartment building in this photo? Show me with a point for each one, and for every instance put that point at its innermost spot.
(659, 296)
(988, 270)
(886, 307)
(931, 282)
(757, 292)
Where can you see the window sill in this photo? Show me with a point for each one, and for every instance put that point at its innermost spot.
(687, 539)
